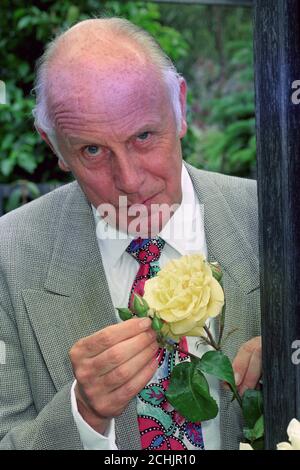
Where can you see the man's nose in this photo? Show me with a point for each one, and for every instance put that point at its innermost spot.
(128, 174)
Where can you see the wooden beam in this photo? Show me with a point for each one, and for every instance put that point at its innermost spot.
(277, 67)
(245, 3)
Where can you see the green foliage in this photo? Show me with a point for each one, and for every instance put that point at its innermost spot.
(252, 407)
(189, 393)
(219, 69)
(217, 364)
(19, 145)
(227, 144)
(26, 27)
(22, 192)
(252, 404)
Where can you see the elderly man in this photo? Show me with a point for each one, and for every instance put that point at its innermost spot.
(112, 107)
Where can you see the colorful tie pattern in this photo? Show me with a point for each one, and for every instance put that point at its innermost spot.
(161, 427)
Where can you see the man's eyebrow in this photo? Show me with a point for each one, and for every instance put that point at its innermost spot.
(80, 140)
(150, 126)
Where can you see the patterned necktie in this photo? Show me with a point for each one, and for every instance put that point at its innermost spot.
(161, 427)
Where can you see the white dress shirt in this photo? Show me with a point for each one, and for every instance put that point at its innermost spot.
(183, 234)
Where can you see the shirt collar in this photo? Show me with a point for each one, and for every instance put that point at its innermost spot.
(176, 232)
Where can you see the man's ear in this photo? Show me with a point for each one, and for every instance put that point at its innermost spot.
(61, 163)
(182, 97)
(45, 138)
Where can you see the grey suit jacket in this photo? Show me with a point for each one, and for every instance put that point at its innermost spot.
(53, 291)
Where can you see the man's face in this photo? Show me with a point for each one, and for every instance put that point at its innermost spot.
(120, 139)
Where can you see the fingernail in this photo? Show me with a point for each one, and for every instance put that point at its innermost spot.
(237, 378)
(145, 323)
(152, 334)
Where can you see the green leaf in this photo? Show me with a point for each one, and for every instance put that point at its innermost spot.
(14, 200)
(156, 324)
(27, 162)
(140, 306)
(258, 444)
(73, 14)
(259, 427)
(252, 406)
(256, 432)
(7, 166)
(33, 189)
(124, 313)
(217, 364)
(189, 393)
(23, 69)
(24, 22)
(195, 360)
(7, 141)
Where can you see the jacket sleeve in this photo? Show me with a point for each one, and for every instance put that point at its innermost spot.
(21, 426)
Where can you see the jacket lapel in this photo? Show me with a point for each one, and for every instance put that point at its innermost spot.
(75, 301)
(226, 242)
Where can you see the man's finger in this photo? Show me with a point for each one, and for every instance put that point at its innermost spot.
(253, 373)
(122, 353)
(133, 387)
(104, 339)
(128, 370)
(241, 362)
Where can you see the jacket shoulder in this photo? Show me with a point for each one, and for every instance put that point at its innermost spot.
(28, 235)
(44, 209)
(230, 195)
(238, 192)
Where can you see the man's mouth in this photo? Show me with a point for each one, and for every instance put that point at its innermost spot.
(145, 202)
(150, 199)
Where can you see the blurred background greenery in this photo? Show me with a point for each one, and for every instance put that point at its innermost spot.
(210, 45)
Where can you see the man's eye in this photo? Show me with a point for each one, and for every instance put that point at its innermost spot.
(143, 136)
(92, 150)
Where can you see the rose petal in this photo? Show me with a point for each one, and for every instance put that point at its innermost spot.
(284, 446)
(181, 327)
(244, 446)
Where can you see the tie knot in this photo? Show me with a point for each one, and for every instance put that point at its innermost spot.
(146, 250)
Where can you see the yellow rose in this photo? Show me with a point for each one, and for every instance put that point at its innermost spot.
(185, 294)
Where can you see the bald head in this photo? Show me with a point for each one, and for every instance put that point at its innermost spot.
(76, 67)
(103, 38)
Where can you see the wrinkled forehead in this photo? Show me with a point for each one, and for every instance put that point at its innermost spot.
(107, 93)
(93, 84)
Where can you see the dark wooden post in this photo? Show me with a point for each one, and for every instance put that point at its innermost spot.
(277, 68)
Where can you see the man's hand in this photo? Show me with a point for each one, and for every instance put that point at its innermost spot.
(111, 367)
(247, 365)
